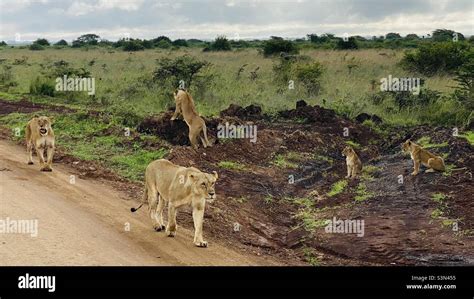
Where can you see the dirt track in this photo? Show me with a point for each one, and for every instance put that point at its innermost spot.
(85, 223)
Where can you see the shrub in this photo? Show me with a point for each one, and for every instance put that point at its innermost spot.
(184, 68)
(221, 44)
(133, 45)
(310, 76)
(180, 43)
(278, 46)
(41, 42)
(61, 43)
(41, 86)
(36, 47)
(432, 58)
(350, 44)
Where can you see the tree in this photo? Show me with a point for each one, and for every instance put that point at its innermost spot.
(86, 40)
(350, 44)
(221, 43)
(61, 43)
(277, 46)
(444, 35)
(392, 35)
(412, 36)
(180, 43)
(41, 42)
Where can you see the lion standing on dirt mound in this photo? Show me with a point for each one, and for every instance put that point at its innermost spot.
(421, 156)
(166, 182)
(40, 135)
(196, 124)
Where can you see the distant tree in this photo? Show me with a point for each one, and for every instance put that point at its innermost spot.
(277, 46)
(41, 42)
(3, 43)
(36, 47)
(180, 43)
(160, 38)
(89, 39)
(61, 43)
(443, 35)
(412, 36)
(314, 38)
(392, 35)
(133, 45)
(221, 43)
(350, 44)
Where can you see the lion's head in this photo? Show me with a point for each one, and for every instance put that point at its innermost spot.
(44, 125)
(203, 185)
(347, 151)
(406, 145)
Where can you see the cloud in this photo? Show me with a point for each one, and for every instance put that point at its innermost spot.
(206, 19)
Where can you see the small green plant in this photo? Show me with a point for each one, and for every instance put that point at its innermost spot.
(362, 193)
(439, 197)
(268, 199)
(231, 165)
(437, 213)
(354, 144)
(311, 257)
(287, 160)
(469, 136)
(425, 142)
(337, 188)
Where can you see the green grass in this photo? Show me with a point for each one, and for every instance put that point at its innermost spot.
(439, 197)
(437, 213)
(425, 142)
(337, 188)
(133, 165)
(310, 256)
(288, 160)
(469, 136)
(231, 165)
(362, 193)
(354, 144)
(124, 83)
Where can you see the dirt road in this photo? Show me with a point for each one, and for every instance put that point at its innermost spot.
(85, 222)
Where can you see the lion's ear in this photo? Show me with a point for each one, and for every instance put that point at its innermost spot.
(51, 119)
(215, 174)
(409, 142)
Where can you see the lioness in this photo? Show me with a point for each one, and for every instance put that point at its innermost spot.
(353, 163)
(185, 106)
(418, 154)
(40, 135)
(166, 182)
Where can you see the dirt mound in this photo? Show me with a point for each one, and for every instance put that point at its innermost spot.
(310, 114)
(251, 112)
(365, 116)
(174, 131)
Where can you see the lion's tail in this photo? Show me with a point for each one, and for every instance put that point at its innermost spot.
(145, 198)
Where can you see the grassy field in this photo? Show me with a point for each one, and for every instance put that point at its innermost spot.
(348, 81)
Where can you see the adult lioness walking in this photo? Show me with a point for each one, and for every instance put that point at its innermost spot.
(40, 135)
(166, 182)
(196, 124)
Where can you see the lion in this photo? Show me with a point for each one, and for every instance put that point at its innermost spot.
(354, 165)
(40, 135)
(185, 106)
(177, 186)
(420, 155)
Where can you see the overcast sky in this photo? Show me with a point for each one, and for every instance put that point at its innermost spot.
(244, 19)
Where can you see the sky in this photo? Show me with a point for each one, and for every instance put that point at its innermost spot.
(24, 20)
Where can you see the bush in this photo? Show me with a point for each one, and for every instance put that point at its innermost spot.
(36, 47)
(310, 76)
(41, 42)
(350, 44)
(163, 44)
(278, 46)
(41, 86)
(180, 43)
(133, 45)
(61, 43)
(184, 68)
(437, 57)
(221, 44)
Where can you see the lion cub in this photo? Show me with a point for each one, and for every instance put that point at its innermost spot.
(167, 183)
(40, 135)
(354, 165)
(420, 155)
(185, 106)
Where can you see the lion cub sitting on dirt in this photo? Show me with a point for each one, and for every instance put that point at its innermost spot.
(418, 154)
(166, 182)
(40, 135)
(196, 124)
(354, 165)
